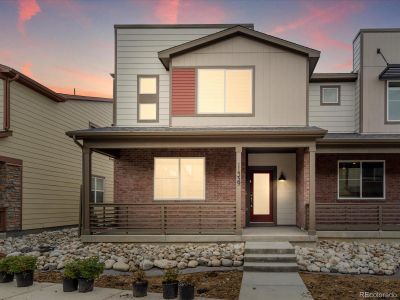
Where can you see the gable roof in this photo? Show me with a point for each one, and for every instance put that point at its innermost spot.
(166, 55)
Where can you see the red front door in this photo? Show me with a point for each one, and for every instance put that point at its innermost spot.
(261, 209)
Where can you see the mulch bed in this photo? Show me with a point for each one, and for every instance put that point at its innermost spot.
(349, 287)
(215, 284)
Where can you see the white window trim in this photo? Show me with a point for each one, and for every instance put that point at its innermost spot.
(203, 197)
(332, 88)
(361, 197)
(94, 188)
(387, 102)
(250, 68)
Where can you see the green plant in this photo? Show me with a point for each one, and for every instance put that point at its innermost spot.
(189, 280)
(5, 264)
(21, 264)
(171, 275)
(90, 268)
(139, 276)
(71, 270)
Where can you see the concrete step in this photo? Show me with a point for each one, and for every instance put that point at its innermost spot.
(269, 248)
(270, 267)
(270, 257)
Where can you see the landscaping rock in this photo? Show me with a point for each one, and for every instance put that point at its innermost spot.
(165, 263)
(121, 266)
(146, 264)
(226, 262)
(192, 264)
(109, 263)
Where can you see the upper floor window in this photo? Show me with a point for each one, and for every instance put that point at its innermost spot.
(330, 95)
(179, 178)
(393, 101)
(225, 91)
(97, 189)
(361, 179)
(147, 98)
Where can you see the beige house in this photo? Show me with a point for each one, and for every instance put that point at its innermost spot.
(221, 131)
(40, 169)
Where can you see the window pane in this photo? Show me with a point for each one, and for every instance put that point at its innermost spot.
(92, 196)
(330, 95)
(394, 101)
(239, 91)
(100, 183)
(211, 91)
(192, 178)
(166, 188)
(147, 85)
(99, 197)
(372, 179)
(349, 179)
(147, 111)
(93, 184)
(166, 168)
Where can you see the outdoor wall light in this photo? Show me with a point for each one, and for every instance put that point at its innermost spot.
(282, 177)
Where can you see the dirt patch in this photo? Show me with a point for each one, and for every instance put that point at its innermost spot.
(219, 285)
(350, 287)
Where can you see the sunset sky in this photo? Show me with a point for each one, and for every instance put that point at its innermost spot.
(66, 44)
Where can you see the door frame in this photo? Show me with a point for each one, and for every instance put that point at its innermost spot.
(273, 170)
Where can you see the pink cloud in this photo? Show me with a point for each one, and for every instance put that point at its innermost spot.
(345, 66)
(188, 11)
(316, 16)
(320, 40)
(27, 9)
(26, 69)
(166, 11)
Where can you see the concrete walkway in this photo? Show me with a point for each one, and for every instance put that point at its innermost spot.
(53, 291)
(273, 286)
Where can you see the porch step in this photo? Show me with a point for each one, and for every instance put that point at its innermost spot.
(270, 258)
(270, 267)
(268, 248)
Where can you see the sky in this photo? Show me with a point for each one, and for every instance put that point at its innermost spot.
(67, 44)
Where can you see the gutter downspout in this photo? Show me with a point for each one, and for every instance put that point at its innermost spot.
(7, 101)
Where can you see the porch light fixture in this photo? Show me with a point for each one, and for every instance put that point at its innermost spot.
(282, 177)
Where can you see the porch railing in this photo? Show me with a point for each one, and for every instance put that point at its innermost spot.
(163, 218)
(356, 216)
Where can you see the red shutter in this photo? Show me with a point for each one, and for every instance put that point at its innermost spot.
(183, 91)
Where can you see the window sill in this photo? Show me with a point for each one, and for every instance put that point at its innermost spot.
(361, 199)
(4, 134)
(183, 201)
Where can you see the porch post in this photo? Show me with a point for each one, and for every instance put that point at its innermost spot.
(238, 181)
(86, 187)
(311, 224)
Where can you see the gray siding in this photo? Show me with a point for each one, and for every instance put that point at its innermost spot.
(137, 53)
(356, 68)
(52, 162)
(335, 118)
(1, 104)
(280, 82)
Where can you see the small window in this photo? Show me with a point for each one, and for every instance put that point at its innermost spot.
(97, 189)
(393, 101)
(147, 98)
(361, 179)
(330, 95)
(225, 91)
(179, 178)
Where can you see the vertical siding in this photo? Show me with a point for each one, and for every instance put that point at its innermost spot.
(137, 53)
(183, 91)
(1, 104)
(51, 160)
(335, 118)
(357, 68)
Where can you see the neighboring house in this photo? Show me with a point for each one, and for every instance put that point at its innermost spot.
(40, 169)
(218, 128)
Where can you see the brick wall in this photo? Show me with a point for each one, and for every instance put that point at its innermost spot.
(302, 185)
(11, 194)
(326, 176)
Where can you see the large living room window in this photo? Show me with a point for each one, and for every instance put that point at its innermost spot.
(225, 91)
(393, 101)
(179, 178)
(361, 179)
(147, 98)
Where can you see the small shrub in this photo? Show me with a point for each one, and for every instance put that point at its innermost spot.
(71, 270)
(139, 276)
(171, 275)
(188, 281)
(5, 264)
(21, 264)
(90, 268)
